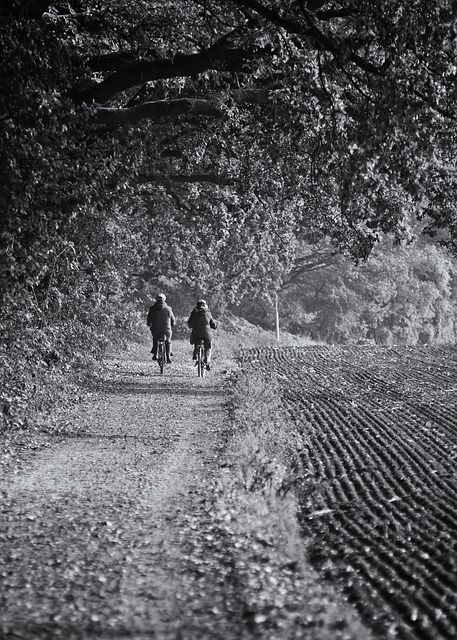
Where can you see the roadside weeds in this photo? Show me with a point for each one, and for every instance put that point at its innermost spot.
(248, 524)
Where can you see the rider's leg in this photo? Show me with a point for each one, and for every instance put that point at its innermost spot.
(194, 341)
(154, 347)
(207, 351)
(169, 340)
(167, 348)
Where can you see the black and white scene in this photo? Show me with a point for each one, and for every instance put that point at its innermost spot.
(228, 320)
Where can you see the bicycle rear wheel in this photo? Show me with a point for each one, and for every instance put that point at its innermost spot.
(200, 361)
(161, 355)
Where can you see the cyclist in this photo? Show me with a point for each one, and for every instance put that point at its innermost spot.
(201, 322)
(160, 320)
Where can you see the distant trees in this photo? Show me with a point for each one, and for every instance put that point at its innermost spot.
(401, 295)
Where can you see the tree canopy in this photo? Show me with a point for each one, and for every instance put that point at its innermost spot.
(198, 139)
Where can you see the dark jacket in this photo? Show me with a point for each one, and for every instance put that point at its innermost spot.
(160, 318)
(201, 322)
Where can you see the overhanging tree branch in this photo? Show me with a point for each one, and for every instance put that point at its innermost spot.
(333, 13)
(340, 49)
(254, 96)
(112, 116)
(112, 61)
(314, 5)
(155, 111)
(433, 105)
(30, 9)
(132, 75)
(308, 265)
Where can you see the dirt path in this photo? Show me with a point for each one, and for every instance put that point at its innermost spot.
(92, 531)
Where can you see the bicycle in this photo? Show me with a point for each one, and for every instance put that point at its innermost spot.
(161, 353)
(200, 364)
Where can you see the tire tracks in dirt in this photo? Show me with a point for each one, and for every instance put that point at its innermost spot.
(91, 531)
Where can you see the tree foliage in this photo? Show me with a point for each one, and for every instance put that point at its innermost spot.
(401, 295)
(193, 142)
(332, 98)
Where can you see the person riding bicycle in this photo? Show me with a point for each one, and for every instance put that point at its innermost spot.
(201, 322)
(160, 320)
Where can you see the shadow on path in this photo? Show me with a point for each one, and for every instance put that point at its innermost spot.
(167, 387)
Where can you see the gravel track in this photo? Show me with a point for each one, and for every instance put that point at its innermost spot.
(92, 530)
(381, 453)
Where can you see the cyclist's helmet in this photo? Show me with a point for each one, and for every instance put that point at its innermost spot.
(201, 304)
(161, 297)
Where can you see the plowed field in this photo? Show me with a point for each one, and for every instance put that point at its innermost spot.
(379, 500)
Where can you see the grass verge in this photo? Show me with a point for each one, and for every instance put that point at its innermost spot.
(252, 525)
